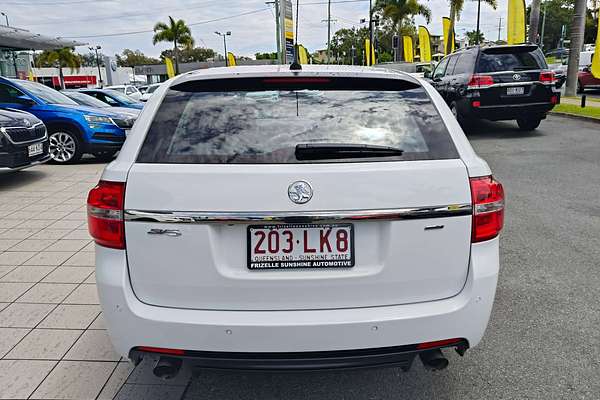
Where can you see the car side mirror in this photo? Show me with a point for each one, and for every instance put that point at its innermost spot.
(427, 74)
(26, 101)
(586, 69)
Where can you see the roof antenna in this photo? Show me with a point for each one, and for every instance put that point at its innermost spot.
(296, 66)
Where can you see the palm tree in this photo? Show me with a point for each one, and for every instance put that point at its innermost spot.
(577, 36)
(399, 12)
(175, 31)
(534, 21)
(62, 58)
(456, 7)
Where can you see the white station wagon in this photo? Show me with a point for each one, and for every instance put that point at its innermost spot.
(263, 218)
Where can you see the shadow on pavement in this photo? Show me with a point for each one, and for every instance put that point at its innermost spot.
(485, 130)
(377, 383)
(18, 179)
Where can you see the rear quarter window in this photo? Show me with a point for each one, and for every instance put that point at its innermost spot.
(261, 121)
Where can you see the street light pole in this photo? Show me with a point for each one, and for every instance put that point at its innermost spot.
(224, 35)
(544, 24)
(478, 19)
(97, 62)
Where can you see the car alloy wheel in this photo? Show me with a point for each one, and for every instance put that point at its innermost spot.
(62, 147)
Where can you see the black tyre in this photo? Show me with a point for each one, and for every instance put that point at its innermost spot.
(463, 122)
(107, 155)
(580, 87)
(529, 124)
(65, 146)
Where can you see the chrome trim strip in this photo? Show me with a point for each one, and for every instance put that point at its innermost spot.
(24, 127)
(512, 84)
(486, 208)
(516, 105)
(211, 217)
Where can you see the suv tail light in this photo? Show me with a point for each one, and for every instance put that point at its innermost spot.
(480, 81)
(547, 77)
(488, 208)
(105, 214)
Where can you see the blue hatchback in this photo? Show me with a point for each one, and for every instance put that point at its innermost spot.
(113, 98)
(73, 129)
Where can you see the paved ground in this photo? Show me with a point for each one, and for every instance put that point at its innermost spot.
(543, 341)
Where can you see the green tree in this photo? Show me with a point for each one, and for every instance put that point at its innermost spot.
(176, 32)
(89, 59)
(474, 37)
(266, 56)
(131, 58)
(61, 58)
(400, 14)
(188, 54)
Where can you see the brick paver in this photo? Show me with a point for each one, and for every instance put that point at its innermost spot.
(53, 341)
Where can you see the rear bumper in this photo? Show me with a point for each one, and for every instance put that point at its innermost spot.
(400, 356)
(257, 335)
(16, 157)
(506, 111)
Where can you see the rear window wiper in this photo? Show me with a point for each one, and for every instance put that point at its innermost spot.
(334, 151)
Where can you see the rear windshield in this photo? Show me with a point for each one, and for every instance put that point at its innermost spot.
(262, 121)
(510, 59)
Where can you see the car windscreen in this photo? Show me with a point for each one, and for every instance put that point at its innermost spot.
(152, 89)
(119, 96)
(45, 93)
(258, 121)
(86, 100)
(510, 59)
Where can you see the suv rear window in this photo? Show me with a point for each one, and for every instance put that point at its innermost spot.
(261, 121)
(510, 59)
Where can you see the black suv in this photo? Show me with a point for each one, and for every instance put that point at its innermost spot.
(23, 140)
(497, 83)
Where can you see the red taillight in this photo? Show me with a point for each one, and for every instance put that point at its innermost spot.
(160, 350)
(554, 100)
(547, 77)
(480, 81)
(105, 214)
(476, 104)
(437, 343)
(488, 208)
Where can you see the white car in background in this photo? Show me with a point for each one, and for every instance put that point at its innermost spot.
(262, 218)
(128, 90)
(149, 91)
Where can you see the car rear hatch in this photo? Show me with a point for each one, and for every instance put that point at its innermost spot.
(517, 76)
(225, 211)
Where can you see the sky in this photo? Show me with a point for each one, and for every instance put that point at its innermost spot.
(252, 22)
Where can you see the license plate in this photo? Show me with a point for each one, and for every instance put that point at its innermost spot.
(515, 91)
(300, 246)
(35, 149)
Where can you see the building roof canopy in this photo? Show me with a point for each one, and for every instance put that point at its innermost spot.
(22, 39)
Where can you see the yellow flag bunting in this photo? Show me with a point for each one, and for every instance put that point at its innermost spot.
(596, 59)
(424, 44)
(516, 22)
(170, 69)
(449, 38)
(370, 55)
(408, 49)
(302, 54)
(231, 59)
